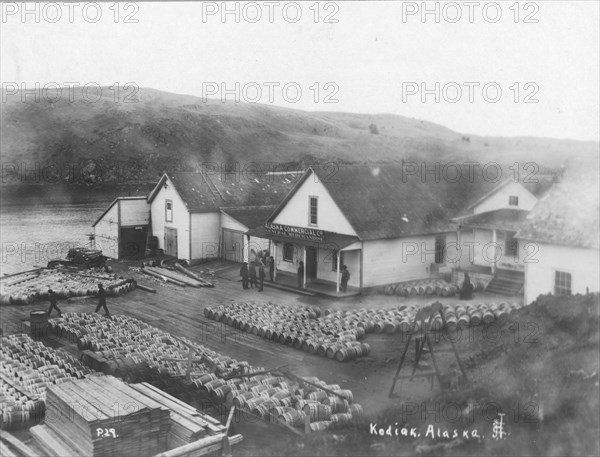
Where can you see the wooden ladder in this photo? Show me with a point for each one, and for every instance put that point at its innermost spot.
(424, 316)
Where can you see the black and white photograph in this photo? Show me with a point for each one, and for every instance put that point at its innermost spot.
(300, 228)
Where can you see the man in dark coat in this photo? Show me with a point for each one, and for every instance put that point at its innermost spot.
(253, 281)
(261, 276)
(345, 277)
(466, 292)
(244, 274)
(53, 299)
(300, 274)
(102, 300)
(271, 268)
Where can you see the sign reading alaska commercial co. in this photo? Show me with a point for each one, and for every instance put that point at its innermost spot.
(300, 233)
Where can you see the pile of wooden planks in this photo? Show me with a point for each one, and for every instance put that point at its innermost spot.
(101, 416)
(187, 423)
(181, 278)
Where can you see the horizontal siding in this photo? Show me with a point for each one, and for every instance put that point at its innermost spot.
(541, 267)
(106, 233)
(499, 200)
(206, 235)
(180, 220)
(135, 212)
(396, 260)
(228, 222)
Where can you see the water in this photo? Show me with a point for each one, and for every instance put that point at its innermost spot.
(33, 234)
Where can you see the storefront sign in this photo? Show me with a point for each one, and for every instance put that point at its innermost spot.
(299, 233)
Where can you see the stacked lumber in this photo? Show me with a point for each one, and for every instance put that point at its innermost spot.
(180, 278)
(29, 287)
(102, 416)
(187, 423)
(193, 275)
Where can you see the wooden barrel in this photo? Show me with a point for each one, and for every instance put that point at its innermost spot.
(320, 426)
(317, 411)
(342, 418)
(355, 409)
(337, 404)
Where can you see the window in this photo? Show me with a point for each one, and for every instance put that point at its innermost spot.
(562, 283)
(312, 210)
(168, 211)
(288, 252)
(334, 254)
(511, 245)
(440, 248)
(513, 200)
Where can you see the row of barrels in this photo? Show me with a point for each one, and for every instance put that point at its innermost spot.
(28, 368)
(65, 285)
(18, 408)
(128, 345)
(35, 366)
(276, 398)
(299, 328)
(423, 287)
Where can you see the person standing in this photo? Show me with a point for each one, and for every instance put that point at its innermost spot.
(102, 300)
(345, 277)
(261, 275)
(244, 274)
(53, 299)
(271, 268)
(300, 274)
(253, 274)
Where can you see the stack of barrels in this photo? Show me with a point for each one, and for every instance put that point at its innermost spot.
(124, 339)
(437, 287)
(279, 399)
(334, 336)
(28, 368)
(27, 288)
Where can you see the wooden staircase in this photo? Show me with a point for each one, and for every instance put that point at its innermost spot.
(506, 283)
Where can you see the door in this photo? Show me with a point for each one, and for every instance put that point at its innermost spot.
(132, 242)
(171, 241)
(311, 262)
(232, 246)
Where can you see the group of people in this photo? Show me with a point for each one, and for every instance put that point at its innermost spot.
(53, 299)
(249, 274)
(251, 278)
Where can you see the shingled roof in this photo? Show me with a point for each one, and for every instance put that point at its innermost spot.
(382, 202)
(203, 192)
(568, 215)
(250, 216)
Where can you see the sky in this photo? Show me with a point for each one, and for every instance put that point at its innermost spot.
(484, 68)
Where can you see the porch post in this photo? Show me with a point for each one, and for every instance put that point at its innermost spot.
(274, 260)
(304, 257)
(337, 282)
(494, 238)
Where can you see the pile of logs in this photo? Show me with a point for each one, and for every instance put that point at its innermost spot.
(180, 276)
(28, 287)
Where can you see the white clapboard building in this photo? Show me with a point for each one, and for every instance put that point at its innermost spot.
(564, 229)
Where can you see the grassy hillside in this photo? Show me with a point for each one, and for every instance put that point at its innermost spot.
(111, 141)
